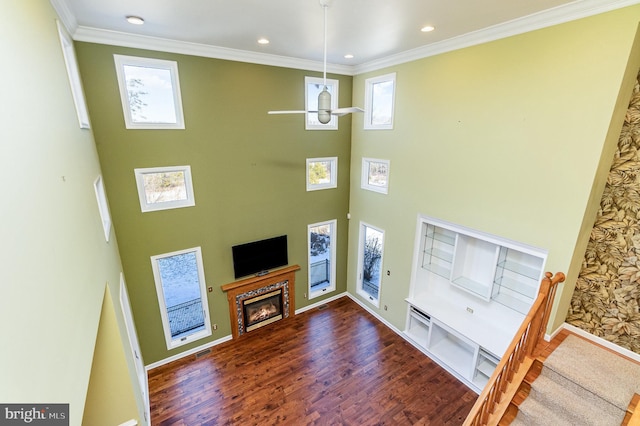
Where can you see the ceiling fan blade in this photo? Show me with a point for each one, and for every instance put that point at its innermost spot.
(289, 112)
(347, 110)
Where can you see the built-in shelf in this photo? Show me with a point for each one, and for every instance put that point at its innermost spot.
(469, 293)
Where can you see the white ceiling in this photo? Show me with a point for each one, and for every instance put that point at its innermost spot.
(371, 30)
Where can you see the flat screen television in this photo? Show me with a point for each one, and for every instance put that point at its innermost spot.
(258, 257)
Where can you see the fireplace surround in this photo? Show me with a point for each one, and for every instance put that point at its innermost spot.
(261, 300)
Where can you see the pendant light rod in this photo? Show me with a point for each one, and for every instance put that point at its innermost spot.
(324, 73)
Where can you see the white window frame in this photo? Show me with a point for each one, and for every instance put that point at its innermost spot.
(170, 341)
(333, 182)
(138, 361)
(332, 258)
(188, 183)
(333, 86)
(361, 245)
(369, 101)
(172, 67)
(366, 168)
(103, 206)
(71, 63)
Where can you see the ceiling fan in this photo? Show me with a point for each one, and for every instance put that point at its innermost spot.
(324, 98)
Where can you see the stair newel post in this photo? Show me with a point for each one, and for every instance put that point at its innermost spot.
(536, 328)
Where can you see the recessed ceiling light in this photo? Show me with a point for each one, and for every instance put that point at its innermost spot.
(348, 56)
(263, 41)
(135, 20)
(427, 28)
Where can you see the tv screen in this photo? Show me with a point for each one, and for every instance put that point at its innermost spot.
(259, 256)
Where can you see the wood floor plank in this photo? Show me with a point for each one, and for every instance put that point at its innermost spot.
(333, 366)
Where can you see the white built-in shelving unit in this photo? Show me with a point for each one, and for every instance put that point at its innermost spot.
(469, 293)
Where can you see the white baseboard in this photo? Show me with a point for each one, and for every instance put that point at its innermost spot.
(320, 303)
(375, 314)
(602, 342)
(131, 422)
(187, 353)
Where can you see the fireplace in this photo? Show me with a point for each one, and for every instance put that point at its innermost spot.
(262, 310)
(261, 300)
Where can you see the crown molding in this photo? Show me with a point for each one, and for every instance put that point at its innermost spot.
(558, 15)
(547, 18)
(65, 16)
(94, 35)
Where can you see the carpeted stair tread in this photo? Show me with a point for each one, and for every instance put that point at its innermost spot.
(534, 413)
(574, 404)
(596, 370)
(580, 384)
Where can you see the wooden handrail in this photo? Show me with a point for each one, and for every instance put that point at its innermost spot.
(492, 402)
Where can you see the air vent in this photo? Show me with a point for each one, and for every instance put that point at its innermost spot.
(203, 353)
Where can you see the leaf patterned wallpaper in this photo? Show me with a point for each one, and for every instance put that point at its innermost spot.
(605, 301)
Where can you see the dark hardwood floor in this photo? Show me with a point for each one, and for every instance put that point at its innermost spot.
(333, 366)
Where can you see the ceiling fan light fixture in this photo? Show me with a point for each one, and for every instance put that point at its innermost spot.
(324, 106)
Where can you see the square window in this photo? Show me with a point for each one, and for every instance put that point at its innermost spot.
(164, 188)
(379, 101)
(74, 76)
(313, 87)
(322, 173)
(375, 175)
(150, 93)
(103, 206)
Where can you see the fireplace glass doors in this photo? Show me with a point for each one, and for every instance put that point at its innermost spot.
(262, 309)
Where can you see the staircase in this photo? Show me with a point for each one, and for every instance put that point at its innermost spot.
(580, 383)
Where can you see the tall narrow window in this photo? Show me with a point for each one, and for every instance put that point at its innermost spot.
(370, 249)
(379, 101)
(322, 258)
(150, 93)
(182, 295)
(103, 206)
(71, 62)
(313, 87)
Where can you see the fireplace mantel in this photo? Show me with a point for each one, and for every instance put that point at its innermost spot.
(244, 289)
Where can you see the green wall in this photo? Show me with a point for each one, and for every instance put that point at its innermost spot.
(248, 174)
(55, 260)
(512, 137)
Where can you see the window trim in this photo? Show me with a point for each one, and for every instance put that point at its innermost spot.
(333, 223)
(361, 245)
(333, 182)
(335, 84)
(368, 101)
(136, 61)
(103, 206)
(150, 207)
(174, 343)
(71, 62)
(364, 183)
